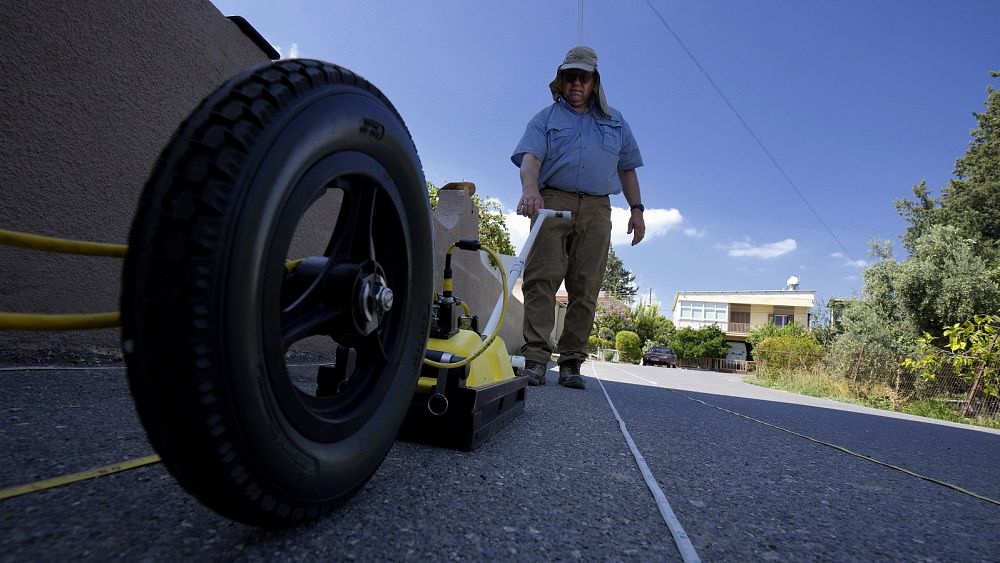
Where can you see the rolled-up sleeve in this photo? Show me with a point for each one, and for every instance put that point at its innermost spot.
(532, 142)
(629, 158)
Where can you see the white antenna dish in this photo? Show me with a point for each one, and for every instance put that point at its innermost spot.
(792, 283)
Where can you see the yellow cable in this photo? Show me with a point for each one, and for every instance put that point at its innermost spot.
(67, 246)
(40, 321)
(496, 330)
(19, 490)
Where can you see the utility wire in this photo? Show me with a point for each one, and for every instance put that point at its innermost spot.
(750, 130)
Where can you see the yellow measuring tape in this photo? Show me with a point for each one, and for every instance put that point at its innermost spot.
(66, 246)
(19, 490)
(43, 321)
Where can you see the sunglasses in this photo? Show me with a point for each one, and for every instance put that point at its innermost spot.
(571, 76)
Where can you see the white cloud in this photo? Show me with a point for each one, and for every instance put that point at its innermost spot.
(694, 233)
(658, 223)
(850, 278)
(293, 52)
(848, 262)
(744, 249)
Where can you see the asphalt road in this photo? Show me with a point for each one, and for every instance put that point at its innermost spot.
(559, 483)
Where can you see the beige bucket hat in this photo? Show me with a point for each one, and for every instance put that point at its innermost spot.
(583, 58)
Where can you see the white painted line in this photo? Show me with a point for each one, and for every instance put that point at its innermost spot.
(688, 554)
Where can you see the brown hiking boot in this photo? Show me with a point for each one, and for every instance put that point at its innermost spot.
(534, 371)
(569, 375)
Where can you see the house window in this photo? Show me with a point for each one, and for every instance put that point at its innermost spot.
(782, 320)
(701, 311)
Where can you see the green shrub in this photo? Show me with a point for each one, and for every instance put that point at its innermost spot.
(628, 343)
(593, 343)
(769, 330)
(786, 352)
(705, 342)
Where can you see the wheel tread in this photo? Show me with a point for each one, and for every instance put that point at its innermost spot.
(181, 222)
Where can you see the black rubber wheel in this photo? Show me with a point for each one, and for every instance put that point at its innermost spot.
(211, 306)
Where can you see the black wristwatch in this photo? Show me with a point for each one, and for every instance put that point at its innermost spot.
(638, 206)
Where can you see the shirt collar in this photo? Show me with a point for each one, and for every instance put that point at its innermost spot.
(590, 106)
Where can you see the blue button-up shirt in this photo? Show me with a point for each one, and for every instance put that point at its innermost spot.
(579, 152)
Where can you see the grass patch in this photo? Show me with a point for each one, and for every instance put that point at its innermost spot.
(945, 410)
(814, 383)
(818, 382)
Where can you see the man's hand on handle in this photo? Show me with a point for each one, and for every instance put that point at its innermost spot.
(530, 203)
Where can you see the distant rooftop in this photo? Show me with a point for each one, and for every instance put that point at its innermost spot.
(755, 291)
(773, 296)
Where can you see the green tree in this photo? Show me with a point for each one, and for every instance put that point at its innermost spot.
(971, 350)
(871, 344)
(492, 231)
(609, 321)
(944, 282)
(618, 281)
(650, 325)
(970, 201)
(876, 332)
(705, 342)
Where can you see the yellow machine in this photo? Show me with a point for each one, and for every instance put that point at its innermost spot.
(468, 389)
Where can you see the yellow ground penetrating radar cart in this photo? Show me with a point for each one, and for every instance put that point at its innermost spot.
(217, 292)
(467, 389)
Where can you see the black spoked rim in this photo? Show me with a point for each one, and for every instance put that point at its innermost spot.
(357, 293)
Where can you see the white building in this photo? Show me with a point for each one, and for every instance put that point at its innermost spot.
(738, 312)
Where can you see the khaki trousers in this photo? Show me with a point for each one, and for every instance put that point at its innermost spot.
(574, 250)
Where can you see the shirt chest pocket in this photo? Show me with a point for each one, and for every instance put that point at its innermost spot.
(558, 139)
(611, 137)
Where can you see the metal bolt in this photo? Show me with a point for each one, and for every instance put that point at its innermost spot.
(384, 299)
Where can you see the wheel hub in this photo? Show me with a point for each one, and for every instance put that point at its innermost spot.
(374, 299)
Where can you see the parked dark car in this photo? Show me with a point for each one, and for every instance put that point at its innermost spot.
(660, 356)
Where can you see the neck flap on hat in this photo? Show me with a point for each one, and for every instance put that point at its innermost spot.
(583, 58)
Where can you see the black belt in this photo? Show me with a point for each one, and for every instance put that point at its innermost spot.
(580, 193)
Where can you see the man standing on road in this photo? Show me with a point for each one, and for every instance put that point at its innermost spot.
(573, 155)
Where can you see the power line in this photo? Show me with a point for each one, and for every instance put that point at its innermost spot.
(750, 130)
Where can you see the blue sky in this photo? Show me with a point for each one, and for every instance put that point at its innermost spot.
(857, 100)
